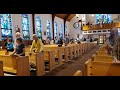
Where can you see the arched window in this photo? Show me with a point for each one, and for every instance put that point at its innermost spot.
(6, 25)
(66, 30)
(61, 31)
(105, 18)
(48, 29)
(39, 27)
(25, 27)
(55, 30)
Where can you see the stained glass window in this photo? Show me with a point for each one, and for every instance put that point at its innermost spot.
(6, 25)
(48, 29)
(25, 27)
(106, 18)
(66, 30)
(61, 31)
(55, 30)
(39, 27)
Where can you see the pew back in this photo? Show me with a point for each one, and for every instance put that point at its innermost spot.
(102, 58)
(97, 68)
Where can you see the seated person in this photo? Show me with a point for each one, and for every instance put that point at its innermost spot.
(66, 41)
(20, 48)
(60, 41)
(52, 41)
(44, 42)
(36, 44)
(10, 46)
(5, 40)
(47, 41)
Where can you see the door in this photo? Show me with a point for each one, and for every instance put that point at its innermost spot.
(102, 39)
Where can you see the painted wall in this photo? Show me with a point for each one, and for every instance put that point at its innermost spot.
(44, 18)
(17, 20)
(59, 21)
(72, 31)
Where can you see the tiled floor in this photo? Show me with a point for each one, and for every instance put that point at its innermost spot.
(69, 68)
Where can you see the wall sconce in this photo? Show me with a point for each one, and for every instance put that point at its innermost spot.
(77, 15)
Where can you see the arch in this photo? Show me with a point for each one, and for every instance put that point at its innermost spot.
(56, 30)
(26, 27)
(48, 29)
(61, 31)
(6, 25)
(39, 27)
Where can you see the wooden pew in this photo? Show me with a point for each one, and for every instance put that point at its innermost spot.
(48, 57)
(102, 58)
(97, 68)
(66, 51)
(1, 69)
(38, 60)
(75, 50)
(78, 73)
(57, 50)
(80, 49)
(71, 51)
(16, 65)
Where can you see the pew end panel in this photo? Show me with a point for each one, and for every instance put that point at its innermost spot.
(40, 65)
(78, 73)
(9, 63)
(1, 69)
(23, 68)
(50, 56)
(88, 68)
(105, 68)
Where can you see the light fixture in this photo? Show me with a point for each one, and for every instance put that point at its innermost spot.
(77, 15)
(92, 15)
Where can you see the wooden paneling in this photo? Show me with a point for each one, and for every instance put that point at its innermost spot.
(1, 69)
(104, 26)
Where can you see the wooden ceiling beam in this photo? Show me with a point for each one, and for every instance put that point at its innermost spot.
(53, 17)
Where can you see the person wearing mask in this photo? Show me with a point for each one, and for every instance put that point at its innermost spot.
(78, 40)
(51, 41)
(20, 48)
(60, 42)
(91, 40)
(116, 47)
(110, 41)
(47, 41)
(17, 36)
(10, 47)
(56, 40)
(5, 40)
(66, 40)
(36, 44)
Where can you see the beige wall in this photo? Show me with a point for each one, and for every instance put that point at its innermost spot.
(72, 31)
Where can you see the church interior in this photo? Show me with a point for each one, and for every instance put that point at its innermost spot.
(59, 44)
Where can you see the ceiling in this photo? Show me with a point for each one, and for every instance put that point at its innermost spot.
(70, 16)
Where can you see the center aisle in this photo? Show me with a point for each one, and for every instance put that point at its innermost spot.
(69, 68)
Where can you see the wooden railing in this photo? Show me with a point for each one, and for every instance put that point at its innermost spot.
(104, 26)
